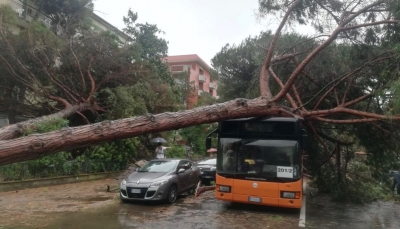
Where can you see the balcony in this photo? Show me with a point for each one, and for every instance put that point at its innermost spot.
(179, 68)
(179, 81)
(202, 78)
(212, 86)
(199, 92)
(26, 12)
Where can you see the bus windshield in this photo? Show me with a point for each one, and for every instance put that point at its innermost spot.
(259, 158)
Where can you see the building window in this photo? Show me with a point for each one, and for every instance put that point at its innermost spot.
(201, 71)
(201, 86)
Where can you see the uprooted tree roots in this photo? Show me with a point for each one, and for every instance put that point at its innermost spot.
(201, 189)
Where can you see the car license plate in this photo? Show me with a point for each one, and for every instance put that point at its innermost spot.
(135, 191)
(254, 199)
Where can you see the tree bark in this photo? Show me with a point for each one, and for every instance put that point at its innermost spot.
(16, 130)
(338, 164)
(38, 145)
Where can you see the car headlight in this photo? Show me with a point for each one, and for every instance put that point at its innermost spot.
(213, 168)
(123, 183)
(158, 183)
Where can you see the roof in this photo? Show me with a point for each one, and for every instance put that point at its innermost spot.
(112, 28)
(187, 58)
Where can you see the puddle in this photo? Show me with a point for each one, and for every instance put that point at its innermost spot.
(66, 205)
(187, 212)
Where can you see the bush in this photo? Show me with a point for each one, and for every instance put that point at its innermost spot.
(357, 185)
(176, 151)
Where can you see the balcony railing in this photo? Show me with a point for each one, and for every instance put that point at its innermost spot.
(179, 68)
(27, 12)
(179, 81)
(202, 78)
(199, 92)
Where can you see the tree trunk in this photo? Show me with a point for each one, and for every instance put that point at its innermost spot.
(338, 164)
(38, 145)
(15, 130)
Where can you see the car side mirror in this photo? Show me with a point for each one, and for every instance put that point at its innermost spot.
(181, 170)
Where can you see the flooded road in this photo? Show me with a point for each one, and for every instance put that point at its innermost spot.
(87, 205)
(188, 212)
(383, 215)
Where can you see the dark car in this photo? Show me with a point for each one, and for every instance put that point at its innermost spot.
(160, 179)
(207, 168)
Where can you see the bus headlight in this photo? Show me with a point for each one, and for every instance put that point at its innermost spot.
(222, 188)
(291, 195)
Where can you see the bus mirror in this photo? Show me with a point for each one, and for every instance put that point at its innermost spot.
(208, 143)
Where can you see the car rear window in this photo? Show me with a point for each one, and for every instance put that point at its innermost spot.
(158, 166)
(208, 162)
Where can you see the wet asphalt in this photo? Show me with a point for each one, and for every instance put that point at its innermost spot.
(188, 212)
(207, 212)
(383, 215)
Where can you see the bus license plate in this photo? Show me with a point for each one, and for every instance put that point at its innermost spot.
(255, 199)
(135, 191)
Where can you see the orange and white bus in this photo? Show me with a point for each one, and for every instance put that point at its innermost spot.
(259, 161)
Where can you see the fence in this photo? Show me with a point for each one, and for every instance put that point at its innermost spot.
(31, 170)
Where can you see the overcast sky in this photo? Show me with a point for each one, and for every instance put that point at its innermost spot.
(199, 27)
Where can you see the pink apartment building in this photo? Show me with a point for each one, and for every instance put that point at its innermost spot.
(199, 74)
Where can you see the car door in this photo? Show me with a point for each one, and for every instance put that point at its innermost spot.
(194, 175)
(183, 178)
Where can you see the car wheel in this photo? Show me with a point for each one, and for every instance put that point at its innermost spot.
(172, 194)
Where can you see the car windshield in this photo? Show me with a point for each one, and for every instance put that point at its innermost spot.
(158, 166)
(208, 162)
(264, 158)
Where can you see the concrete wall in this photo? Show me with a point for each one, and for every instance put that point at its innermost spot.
(3, 122)
(19, 185)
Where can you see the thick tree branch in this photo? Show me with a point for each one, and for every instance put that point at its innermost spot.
(339, 110)
(79, 68)
(15, 130)
(264, 78)
(370, 24)
(355, 101)
(35, 146)
(349, 121)
(279, 82)
(317, 50)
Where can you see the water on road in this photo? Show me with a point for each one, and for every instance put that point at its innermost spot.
(188, 212)
(382, 215)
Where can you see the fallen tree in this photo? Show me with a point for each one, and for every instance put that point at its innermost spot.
(334, 103)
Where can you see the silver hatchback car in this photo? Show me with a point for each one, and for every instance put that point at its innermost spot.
(160, 179)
